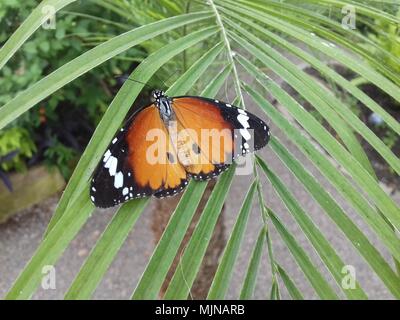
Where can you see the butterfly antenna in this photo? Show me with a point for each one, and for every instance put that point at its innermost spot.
(124, 78)
(163, 82)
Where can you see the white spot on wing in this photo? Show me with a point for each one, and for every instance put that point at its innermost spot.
(106, 155)
(243, 119)
(245, 134)
(111, 164)
(125, 191)
(119, 180)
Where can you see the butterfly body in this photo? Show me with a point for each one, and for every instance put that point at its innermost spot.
(163, 104)
(174, 139)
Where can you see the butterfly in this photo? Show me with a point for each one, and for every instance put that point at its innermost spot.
(172, 140)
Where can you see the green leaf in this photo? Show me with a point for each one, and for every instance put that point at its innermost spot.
(164, 254)
(327, 105)
(87, 61)
(321, 286)
(105, 250)
(379, 225)
(363, 8)
(314, 42)
(190, 261)
(186, 82)
(224, 272)
(367, 182)
(249, 283)
(331, 30)
(324, 249)
(275, 294)
(323, 68)
(49, 250)
(212, 88)
(336, 213)
(63, 233)
(28, 27)
(115, 114)
(162, 258)
(289, 284)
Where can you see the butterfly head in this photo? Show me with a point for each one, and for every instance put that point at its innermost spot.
(163, 103)
(156, 95)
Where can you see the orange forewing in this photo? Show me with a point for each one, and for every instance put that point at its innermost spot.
(149, 143)
(212, 134)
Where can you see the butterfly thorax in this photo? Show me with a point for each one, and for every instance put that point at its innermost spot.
(163, 104)
(181, 145)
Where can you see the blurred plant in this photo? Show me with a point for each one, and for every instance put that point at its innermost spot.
(387, 36)
(45, 51)
(16, 138)
(3, 176)
(61, 156)
(139, 12)
(390, 139)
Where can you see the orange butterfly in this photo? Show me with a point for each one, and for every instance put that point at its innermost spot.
(174, 139)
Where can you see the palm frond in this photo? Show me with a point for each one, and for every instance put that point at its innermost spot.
(225, 41)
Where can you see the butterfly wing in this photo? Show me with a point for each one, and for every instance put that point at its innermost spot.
(137, 163)
(222, 132)
(250, 132)
(145, 158)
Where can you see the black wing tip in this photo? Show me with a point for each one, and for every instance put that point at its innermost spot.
(266, 137)
(100, 202)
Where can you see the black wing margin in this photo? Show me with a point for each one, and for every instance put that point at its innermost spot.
(113, 181)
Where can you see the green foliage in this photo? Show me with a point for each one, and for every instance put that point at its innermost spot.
(45, 51)
(61, 156)
(16, 139)
(387, 36)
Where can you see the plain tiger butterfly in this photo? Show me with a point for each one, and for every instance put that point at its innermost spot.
(174, 139)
